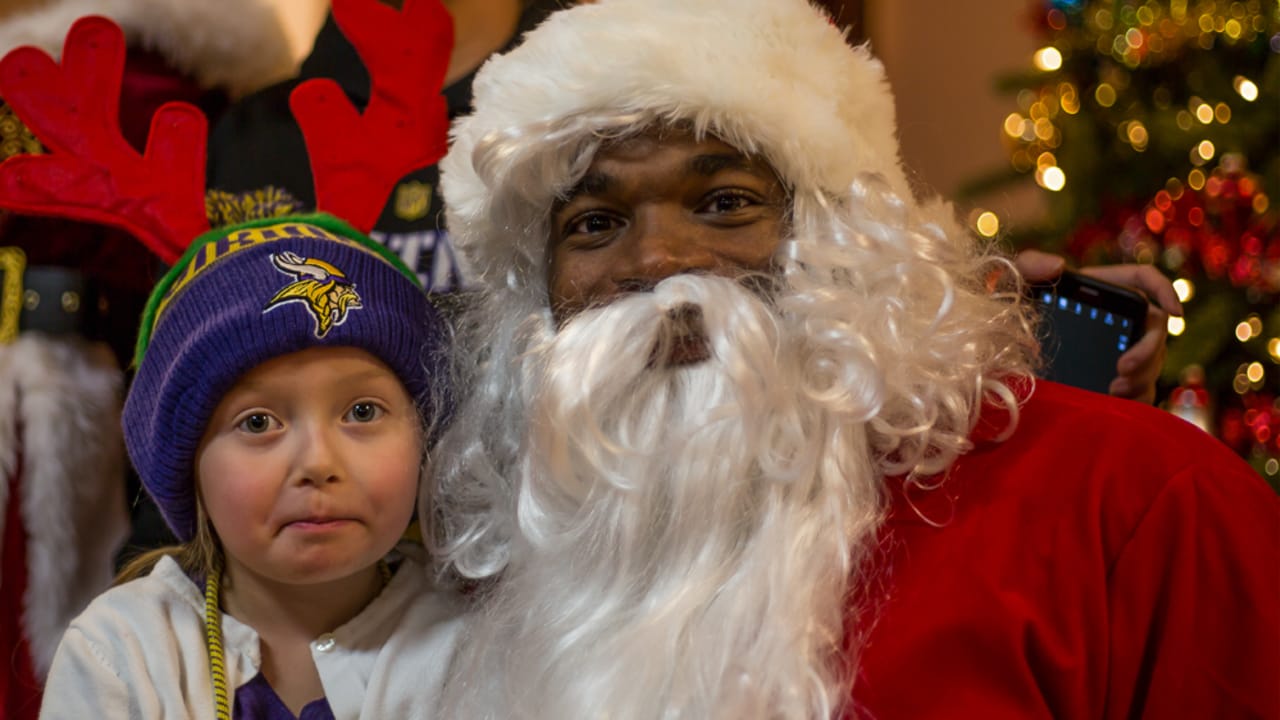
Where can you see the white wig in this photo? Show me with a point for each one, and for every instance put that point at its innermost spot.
(773, 77)
(898, 325)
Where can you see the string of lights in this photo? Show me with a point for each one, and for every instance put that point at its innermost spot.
(1153, 129)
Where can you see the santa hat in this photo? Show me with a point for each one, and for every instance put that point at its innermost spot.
(773, 77)
(235, 45)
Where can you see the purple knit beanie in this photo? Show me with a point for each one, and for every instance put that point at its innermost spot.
(246, 294)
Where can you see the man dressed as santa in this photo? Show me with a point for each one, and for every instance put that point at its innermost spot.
(751, 432)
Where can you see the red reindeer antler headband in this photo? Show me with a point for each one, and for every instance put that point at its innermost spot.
(93, 174)
(357, 159)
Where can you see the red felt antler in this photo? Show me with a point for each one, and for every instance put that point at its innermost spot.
(357, 159)
(93, 173)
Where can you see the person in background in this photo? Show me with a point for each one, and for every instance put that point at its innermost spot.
(279, 418)
(69, 306)
(750, 431)
(257, 144)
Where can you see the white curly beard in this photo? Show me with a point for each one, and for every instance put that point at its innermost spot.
(687, 532)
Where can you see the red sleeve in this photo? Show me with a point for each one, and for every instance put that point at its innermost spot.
(1107, 561)
(1194, 597)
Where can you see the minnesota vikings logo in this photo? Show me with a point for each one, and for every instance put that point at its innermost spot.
(321, 287)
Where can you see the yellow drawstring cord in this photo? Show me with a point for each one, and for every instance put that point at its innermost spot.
(213, 641)
(213, 634)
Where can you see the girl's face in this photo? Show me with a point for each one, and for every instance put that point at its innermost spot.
(309, 466)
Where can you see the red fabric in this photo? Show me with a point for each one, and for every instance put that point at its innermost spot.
(1108, 561)
(19, 689)
(149, 82)
(357, 159)
(93, 174)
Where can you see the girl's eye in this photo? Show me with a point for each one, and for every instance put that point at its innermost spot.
(364, 412)
(256, 424)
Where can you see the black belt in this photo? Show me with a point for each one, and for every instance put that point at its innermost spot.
(51, 299)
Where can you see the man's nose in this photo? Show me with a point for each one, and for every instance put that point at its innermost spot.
(663, 244)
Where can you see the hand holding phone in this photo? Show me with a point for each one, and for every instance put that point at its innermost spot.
(1085, 325)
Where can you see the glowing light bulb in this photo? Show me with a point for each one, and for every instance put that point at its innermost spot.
(1177, 325)
(1105, 95)
(1068, 100)
(1051, 178)
(988, 224)
(1013, 125)
(1240, 384)
(1137, 135)
(1202, 153)
(1255, 373)
(1246, 88)
(1243, 331)
(1047, 59)
(1185, 289)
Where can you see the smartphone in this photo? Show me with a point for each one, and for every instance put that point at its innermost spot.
(1085, 326)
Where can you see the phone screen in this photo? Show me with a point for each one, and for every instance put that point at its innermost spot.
(1085, 327)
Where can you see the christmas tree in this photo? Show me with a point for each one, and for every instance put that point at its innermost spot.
(1153, 129)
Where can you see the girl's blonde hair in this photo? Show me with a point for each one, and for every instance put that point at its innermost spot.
(199, 557)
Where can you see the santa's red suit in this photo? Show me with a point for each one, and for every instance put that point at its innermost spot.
(1012, 592)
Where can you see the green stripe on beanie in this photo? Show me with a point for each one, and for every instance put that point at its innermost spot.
(322, 220)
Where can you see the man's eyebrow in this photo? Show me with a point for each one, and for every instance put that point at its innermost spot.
(593, 183)
(712, 163)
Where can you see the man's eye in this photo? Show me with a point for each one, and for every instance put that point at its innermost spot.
(256, 423)
(591, 224)
(364, 412)
(729, 201)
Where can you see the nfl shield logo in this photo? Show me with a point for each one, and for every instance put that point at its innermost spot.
(413, 199)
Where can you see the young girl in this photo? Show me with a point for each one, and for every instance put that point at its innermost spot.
(284, 371)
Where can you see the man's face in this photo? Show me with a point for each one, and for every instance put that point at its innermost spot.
(657, 205)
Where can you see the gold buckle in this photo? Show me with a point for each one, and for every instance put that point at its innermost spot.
(13, 263)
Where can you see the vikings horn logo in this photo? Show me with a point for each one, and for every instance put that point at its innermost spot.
(321, 287)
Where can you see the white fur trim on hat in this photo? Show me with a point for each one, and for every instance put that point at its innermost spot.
(237, 45)
(772, 76)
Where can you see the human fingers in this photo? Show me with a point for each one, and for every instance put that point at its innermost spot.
(1037, 266)
(1139, 367)
(1146, 278)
